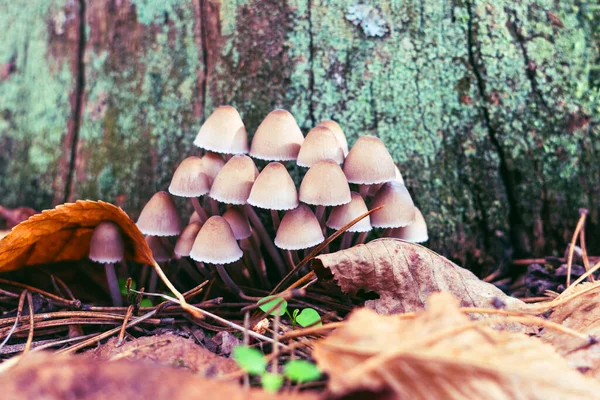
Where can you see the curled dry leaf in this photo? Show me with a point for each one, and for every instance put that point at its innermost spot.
(404, 274)
(170, 350)
(63, 234)
(45, 376)
(442, 354)
(579, 311)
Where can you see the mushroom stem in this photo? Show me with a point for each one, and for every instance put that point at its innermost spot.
(276, 219)
(266, 239)
(191, 272)
(364, 190)
(346, 240)
(289, 260)
(153, 284)
(198, 208)
(255, 261)
(387, 232)
(320, 214)
(203, 270)
(113, 284)
(258, 260)
(361, 238)
(231, 285)
(214, 206)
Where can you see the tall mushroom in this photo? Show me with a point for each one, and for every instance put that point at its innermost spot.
(320, 144)
(189, 180)
(107, 247)
(299, 229)
(223, 132)
(278, 138)
(342, 215)
(368, 162)
(399, 208)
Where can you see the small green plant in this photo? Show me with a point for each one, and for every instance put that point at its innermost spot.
(253, 362)
(306, 317)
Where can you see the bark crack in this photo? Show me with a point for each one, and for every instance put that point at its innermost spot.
(506, 175)
(78, 98)
(311, 76)
(204, 48)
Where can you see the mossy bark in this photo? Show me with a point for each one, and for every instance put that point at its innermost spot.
(490, 108)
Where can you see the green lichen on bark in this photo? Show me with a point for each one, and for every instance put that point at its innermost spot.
(34, 101)
(142, 94)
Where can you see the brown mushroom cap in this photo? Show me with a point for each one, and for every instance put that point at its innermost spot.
(415, 232)
(215, 243)
(320, 144)
(212, 163)
(159, 216)
(369, 162)
(234, 182)
(239, 223)
(184, 243)
(325, 185)
(399, 208)
(274, 189)
(299, 229)
(338, 132)
(189, 179)
(278, 138)
(341, 215)
(223, 132)
(106, 245)
(161, 251)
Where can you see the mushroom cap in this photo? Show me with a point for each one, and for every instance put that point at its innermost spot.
(324, 184)
(189, 179)
(338, 132)
(161, 251)
(399, 208)
(415, 232)
(278, 137)
(319, 144)
(159, 216)
(239, 223)
(274, 189)
(212, 164)
(234, 182)
(215, 243)
(106, 245)
(345, 213)
(299, 229)
(369, 162)
(184, 243)
(375, 187)
(223, 132)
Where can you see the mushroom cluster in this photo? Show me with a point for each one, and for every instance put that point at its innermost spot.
(230, 194)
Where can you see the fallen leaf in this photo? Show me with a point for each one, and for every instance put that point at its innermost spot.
(170, 350)
(51, 377)
(579, 311)
(442, 354)
(404, 274)
(63, 234)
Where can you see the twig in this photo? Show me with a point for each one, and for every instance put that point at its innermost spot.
(584, 255)
(19, 310)
(582, 214)
(31, 323)
(70, 303)
(125, 321)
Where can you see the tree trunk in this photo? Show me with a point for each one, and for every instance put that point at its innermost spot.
(490, 108)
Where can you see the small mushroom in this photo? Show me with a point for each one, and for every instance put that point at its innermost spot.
(162, 252)
(399, 208)
(368, 162)
(341, 215)
(159, 216)
(415, 232)
(338, 132)
(320, 144)
(223, 132)
(189, 180)
(233, 183)
(278, 138)
(107, 247)
(299, 229)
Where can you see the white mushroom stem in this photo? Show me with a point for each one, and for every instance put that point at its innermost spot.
(320, 214)
(276, 219)
(346, 240)
(266, 239)
(289, 260)
(113, 284)
(199, 209)
(361, 237)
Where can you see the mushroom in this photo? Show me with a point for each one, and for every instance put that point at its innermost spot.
(107, 247)
(212, 164)
(399, 208)
(368, 162)
(341, 215)
(320, 144)
(299, 229)
(375, 187)
(189, 180)
(183, 246)
(278, 138)
(415, 232)
(223, 132)
(216, 244)
(324, 185)
(338, 132)
(162, 252)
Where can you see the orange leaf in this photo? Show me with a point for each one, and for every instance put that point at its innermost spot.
(64, 234)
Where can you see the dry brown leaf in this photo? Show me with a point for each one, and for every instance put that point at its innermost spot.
(52, 377)
(442, 354)
(170, 350)
(63, 234)
(580, 311)
(404, 274)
